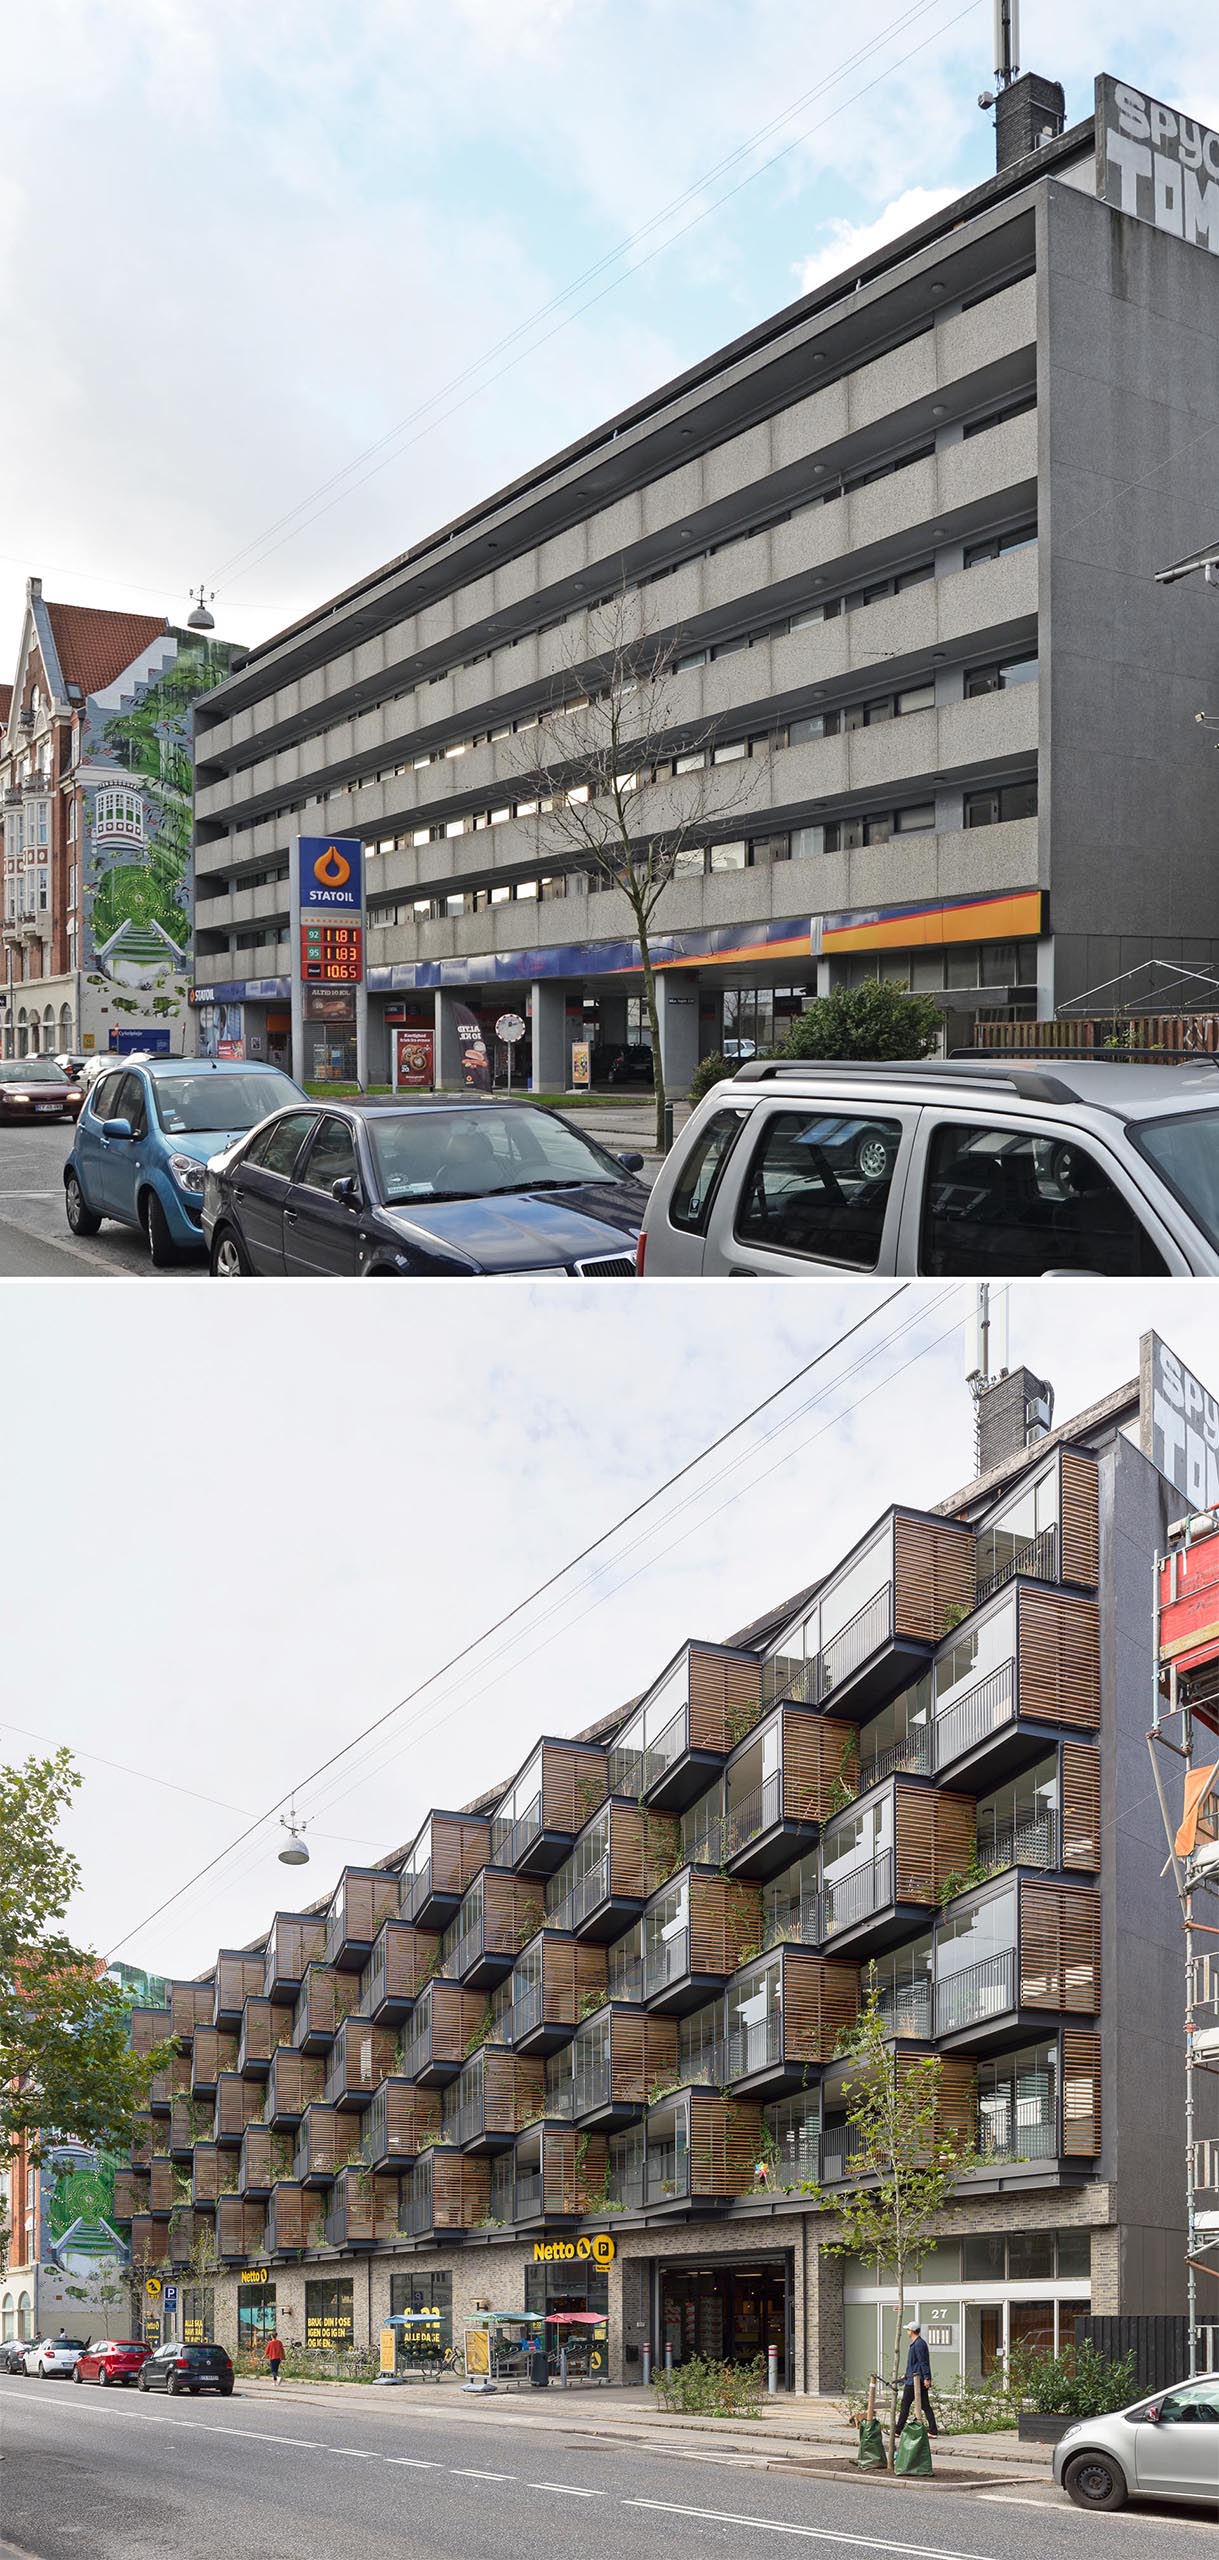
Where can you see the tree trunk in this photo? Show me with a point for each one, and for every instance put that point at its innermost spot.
(895, 2385)
(649, 989)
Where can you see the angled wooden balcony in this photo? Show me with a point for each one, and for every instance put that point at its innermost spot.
(552, 2175)
(327, 2139)
(447, 2191)
(1048, 1530)
(779, 1787)
(700, 2148)
(365, 1896)
(439, 2030)
(497, 2093)
(554, 1981)
(190, 2121)
(874, 1898)
(190, 2006)
(145, 2130)
(697, 1931)
(679, 1737)
(841, 2145)
(360, 2059)
(238, 2103)
(399, 2122)
(402, 1960)
(238, 1976)
(215, 2172)
(495, 1917)
(444, 1859)
(240, 2230)
(294, 1940)
(295, 2219)
(188, 2232)
(213, 2050)
(619, 2053)
(782, 2014)
(1042, 1942)
(877, 1620)
(293, 2082)
(265, 2025)
(165, 2188)
(130, 2194)
(149, 2241)
(1036, 1656)
(362, 2210)
(265, 2156)
(619, 1858)
(325, 1998)
(536, 1821)
(148, 2027)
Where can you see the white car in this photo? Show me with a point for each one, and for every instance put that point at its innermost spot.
(1166, 2446)
(54, 2356)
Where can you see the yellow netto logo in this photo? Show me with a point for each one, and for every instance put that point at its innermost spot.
(600, 2248)
(332, 868)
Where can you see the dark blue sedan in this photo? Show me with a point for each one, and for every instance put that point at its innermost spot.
(440, 1188)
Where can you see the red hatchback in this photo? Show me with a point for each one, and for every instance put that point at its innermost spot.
(36, 1089)
(111, 2360)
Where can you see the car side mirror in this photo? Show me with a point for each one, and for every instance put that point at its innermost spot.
(1152, 2415)
(631, 1163)
(346, 1190)
(116, 1128)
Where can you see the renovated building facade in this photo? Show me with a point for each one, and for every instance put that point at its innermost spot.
(578, 2047)
(901, 540)
(95, 801)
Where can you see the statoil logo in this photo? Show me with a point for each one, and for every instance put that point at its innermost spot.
(332, 869)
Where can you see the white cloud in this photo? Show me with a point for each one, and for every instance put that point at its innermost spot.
(848, 242)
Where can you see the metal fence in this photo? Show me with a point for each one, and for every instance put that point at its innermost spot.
(1158, 2341)
(979, 1711)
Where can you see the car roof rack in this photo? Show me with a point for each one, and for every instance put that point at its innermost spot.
(1100, 1057)
(1031, 1083)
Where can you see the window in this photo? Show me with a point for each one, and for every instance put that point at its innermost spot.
(332, 1157)
(701, 1171)
(198, 2314)
(918, 821)
(692, 762)
(277, 1149)
(806, 1191)
(729, 857)
(329, 2316)
(1185, 1153)
(994, 544)
(731, 753)
(915, 697)
(814, 724)
(131, 1104)
(1006, 1201)
(429, 2293)
(1014, 408)
(997, 677)
(993, 808)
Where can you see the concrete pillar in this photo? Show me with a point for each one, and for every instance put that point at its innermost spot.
(677, 1009)
(551, 1068)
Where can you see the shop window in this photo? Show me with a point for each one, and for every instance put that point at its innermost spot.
(255, 2317)
(198, 2314)
(1075, 2255)
(1030, 2256)
(431, 2293)
(329, 2313)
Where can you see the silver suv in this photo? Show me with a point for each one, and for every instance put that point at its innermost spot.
(1164, 2447)
(957, 1168)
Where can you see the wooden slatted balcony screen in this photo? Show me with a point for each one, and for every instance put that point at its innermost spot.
(574, 2170)
(149, 2242)
(240, 2228)
(130, 2195)
(725, 1923)
(819, 1999)
(643, 1847)
(573, 1785)
(214, 2173)
(326, 1997)
(213, 2050)
(572, 1970)
(295, 1939)
(461, 2191)
(1081, 2124)
(1060, 1947)
(1080, 1806)
(264, 2157)
(162, 2184)
(1059, 1658)
(935, 1572)
(294, 2080)
(725, 1698)
(1080, 1519)
(400, 2121)
(935, 1835)
(295, 2218)
(725, 2139)
(328, 2137)
(362, 2055)
(461, 1844)
(817, 1750)
(362, 2209)
(362, 1903)
(265, 2025)
(402, 1960)
(191, 2006)
(238, 1977)
(147, 2027)
(238, 2102)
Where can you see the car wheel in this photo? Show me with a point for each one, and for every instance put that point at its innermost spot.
(230, 1261)
(81, 1218)
(226, 2391)
(872, 1156)
(140, 2383)
(156, 1232)
(1096, 2481)
(77, 2375)
(103, 2378)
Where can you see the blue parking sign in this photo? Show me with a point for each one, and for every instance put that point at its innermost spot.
(171, 2297)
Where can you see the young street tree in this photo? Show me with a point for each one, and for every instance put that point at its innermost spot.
(601, 765)
(908, 2156)
(66, 2069)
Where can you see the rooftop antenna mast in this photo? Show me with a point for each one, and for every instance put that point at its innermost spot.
(1007, 50)
(985, 1351)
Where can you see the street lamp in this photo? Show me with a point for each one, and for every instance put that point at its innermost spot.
(201, 619)
(294, 1852)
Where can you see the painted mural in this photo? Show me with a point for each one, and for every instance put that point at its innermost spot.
(79, 2233)
(136, 771)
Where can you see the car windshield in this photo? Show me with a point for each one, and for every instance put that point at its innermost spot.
(1184, 1149)
(477, 1150)
(67, 2342)
(188, 1105)
(33, 1071)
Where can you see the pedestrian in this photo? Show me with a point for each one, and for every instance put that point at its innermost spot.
(275, 2352)
(918, 2368)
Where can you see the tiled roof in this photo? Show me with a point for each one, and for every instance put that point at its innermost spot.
(95, 646)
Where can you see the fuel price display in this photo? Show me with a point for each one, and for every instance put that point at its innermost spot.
(332, 954)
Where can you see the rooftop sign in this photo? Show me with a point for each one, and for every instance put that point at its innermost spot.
(1178, 1424)
(1157, 164)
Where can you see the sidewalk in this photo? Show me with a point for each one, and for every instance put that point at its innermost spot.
(792, 2433)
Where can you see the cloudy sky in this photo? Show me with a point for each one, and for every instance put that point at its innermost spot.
(239, 247)
(251, 1523)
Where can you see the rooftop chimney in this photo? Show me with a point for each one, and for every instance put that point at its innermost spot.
(1029, 112)
(1014, 1412)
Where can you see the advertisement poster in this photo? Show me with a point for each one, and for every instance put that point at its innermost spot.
(581, 1065)
(475, 1062)
(415, 1058)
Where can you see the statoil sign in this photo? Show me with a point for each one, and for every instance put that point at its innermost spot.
(599, 2247)
(331, 872)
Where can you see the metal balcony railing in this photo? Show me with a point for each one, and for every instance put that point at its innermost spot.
(857, 1894)
(666, 2172)
(753, 1814)
(787, 1676)
(798, 1928)
(1034, 1558)
(467, 1949)
(527, 2203)
(747, 2049)
(842, 2147)
(526, 2010)
(590, 2085)
(668, 1747)
(666, 1962)
(861, 1637)
(418, 1891)
(1017, 2130)
(509, 1840)
(627, 1982)
(416, 2055)
(980, 1991)
(979, 1711)
(592, 1888)
(911, 1754)
(417, 2214)
(1021, 1844)
(908, 2010)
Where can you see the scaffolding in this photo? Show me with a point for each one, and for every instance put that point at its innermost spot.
(1185, 1727)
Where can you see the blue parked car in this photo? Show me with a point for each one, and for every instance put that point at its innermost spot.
(145, 1136)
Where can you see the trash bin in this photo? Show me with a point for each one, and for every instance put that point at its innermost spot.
(539, 2370)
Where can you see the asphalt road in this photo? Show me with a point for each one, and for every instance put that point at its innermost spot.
(35, 1240)
(118, 2477)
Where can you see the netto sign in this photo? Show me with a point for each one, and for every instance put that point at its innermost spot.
(600, 2248)
(1157, 164)
(1178, 1424)
(254, 2275)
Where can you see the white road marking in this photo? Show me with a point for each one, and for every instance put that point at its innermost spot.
(560, 2489)
(411, 2462)
(805, 2532)
(482, 2475)
(349, 2452)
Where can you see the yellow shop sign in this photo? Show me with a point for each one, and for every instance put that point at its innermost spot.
(253, 2275)
(600, 2248)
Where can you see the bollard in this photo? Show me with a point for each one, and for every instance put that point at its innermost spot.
(668, 2355)
(772, 2371)
(563, 2367)
(668, 1128)
(647, 2364)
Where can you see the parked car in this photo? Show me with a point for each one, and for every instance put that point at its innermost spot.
(37, 1089)
(443, 1187)
(622, 1062)
(13, 2355)
(73, 1063)
(145, 1135)
(53, 2359)
(101, 1059)
(194, 2369)
(109, 2360)
(961, 1169)
(1166, 2446)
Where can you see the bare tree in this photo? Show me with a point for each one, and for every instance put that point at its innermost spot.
(602, 763)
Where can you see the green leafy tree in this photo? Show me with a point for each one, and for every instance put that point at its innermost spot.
(876, 1020)
(67, 2071)
(906, 2161)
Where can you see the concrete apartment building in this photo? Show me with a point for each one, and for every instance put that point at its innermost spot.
(905, 533)
(576, 2047)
